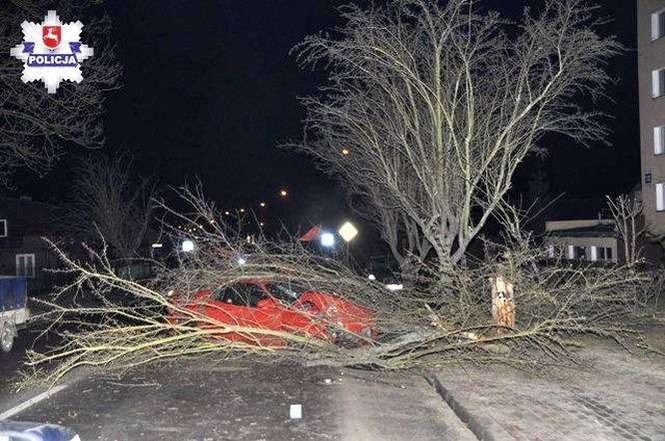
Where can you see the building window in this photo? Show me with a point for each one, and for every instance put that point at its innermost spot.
(657, 25)
(660, 196)
(601, 253)
(3, 227)
(657, 83)
(580, 253)
(25, 265)
(659, 140)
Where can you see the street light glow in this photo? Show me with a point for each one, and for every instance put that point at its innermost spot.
(283, 193)
(262, 204)
(348, 231)
(187, 246)
(345, 151)
(241, 261)
(327, 240)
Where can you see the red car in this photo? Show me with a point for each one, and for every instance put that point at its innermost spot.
(280, 307)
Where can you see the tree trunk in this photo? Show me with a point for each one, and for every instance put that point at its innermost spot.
(503, 304)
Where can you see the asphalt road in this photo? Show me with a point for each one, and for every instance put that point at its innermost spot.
(208, 399)
(12, 362)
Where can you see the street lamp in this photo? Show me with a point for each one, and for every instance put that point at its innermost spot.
(327, 240)
(348, 231)
(187, 246)
(283, 193)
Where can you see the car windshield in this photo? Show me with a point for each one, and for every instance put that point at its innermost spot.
(287, 292)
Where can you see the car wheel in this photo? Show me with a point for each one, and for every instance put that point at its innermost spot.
(6, 338)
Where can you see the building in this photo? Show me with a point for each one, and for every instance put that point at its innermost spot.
(651, 74)
(584, 229)
(595, 240)
(23, 251)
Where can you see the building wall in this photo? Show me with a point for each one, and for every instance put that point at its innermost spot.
(44, 259)
(587, 242)
(651, 56)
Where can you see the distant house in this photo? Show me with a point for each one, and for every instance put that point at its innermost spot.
(23, 252)
(584, 239)
(583, 229)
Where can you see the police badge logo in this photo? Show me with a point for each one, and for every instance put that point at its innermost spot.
(52, 51)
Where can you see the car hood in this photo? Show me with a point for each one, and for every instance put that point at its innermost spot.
(337, 307)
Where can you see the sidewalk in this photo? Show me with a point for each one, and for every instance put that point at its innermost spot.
(621, 398)
(389, 406)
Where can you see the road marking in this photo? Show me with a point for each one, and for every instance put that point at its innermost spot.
(32, 401)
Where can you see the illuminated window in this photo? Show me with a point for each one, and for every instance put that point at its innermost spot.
(657, 83)
(657, 25)
(660, 196)
(659, 140)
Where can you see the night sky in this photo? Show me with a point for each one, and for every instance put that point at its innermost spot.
(210, 90)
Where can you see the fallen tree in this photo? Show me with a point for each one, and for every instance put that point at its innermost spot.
(443, 319)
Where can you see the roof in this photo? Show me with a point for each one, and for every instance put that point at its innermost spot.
(595, 231)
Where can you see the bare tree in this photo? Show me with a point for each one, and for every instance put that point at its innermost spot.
(109, 202)
(556, 303)
(627, 213)
(408, 246)
(447, 100)
(37, 126)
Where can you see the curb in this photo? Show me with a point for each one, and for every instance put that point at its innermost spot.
(480, 432)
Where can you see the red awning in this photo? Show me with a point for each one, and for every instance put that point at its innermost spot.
(311, 234)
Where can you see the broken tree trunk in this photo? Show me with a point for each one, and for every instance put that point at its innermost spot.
(503, 304)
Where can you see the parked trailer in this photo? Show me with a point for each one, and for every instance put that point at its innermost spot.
(14, 313)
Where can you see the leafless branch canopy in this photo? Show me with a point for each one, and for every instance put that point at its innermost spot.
(109, 201)
(435, 104)
(37, 126)
(443, 319)
(627, 213)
